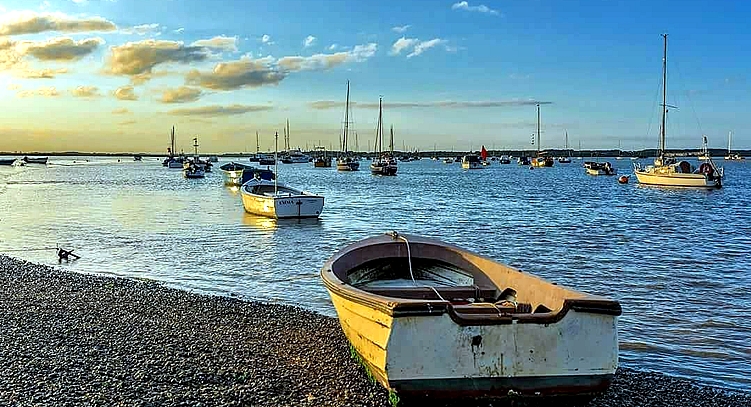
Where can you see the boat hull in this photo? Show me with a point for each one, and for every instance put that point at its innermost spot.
(407, 354)
(348, 166)
(471, 165)
(387, 170)
(594, 171)
(301, 206)
(233, 177)
(417, 345)
(677, 180)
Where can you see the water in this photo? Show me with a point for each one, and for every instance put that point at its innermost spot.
(677, 260)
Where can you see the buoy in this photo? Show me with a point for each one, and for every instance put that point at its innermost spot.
(531, 167)
(623, 179)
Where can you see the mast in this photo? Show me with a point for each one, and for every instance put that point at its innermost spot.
(391, 141)
(172, 142)
(380, 125)
(276, 161)
(538, 129)
(287, 141)
(346, 121)
(195, 145)
(258, 145)
(730, 138)
(664, 94)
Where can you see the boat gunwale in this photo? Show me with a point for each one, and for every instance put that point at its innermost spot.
(397, 307)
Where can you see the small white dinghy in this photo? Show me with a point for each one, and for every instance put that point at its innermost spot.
(277, 200)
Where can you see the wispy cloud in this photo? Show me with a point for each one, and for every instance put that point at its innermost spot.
(418, 47)
(143, 29)
(85, 92)
(183, 94)
(45, 92)
(217, 110)
(218, 43)
(401, 29)
(29, 73)
(309, 41)
(125, 93)
(266, 39)
(29, 22)
(450, 104)
(121, 111)
(463, 5)
(179, 30)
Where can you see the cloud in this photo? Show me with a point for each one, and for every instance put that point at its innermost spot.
(138, 59)
(425, 45)
(85, 92)
(252, 73)
(236, 74)
(401, 29)
(266, 39)
(403, 44)
(29, 22)
(25, 72)
(125, 93)
(417, 46)
(179, 30)
(333, 47)
(183, 94)
(463, 5)
(318, 62)
(216, 110)
(143, 29)
(121, 111)
(59, 49)
(46, 92)
(309, 41)
(127, 122)
(14, 86)
(330, 104)
(219, 42)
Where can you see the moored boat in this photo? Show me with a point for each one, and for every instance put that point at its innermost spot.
(345, 162)
(427, 317)
(276, 200)
(35, 160)
(732, 156)
(504, 160)
(233, 172)
(666, 171)
(471, 162)
(384, 163)
(599, 168)
(8, 161)
(541, 159)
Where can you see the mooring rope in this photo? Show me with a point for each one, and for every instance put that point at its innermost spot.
(395, 235)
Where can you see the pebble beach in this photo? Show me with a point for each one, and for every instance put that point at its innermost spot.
(69, 339)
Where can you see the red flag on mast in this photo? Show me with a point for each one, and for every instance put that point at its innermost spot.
(484, 153)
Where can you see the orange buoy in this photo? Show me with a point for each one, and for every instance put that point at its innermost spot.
(623, 179)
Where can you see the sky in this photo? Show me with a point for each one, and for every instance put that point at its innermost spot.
(116, 75)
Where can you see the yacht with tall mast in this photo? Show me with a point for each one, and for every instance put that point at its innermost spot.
(666, 171)
(567, 158)
(732, 156)
(383, 163)
(345, 162)
(193, 168)
(541, 159)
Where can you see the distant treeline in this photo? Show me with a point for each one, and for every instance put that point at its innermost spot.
(714, 152)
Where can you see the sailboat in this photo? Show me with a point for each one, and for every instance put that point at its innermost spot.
(292, 156)
(383, 163)
(666, 171)
(565, 159)
(541, 160)
(255, 157)
(732, 156)
(345, 162)
(484, 156)
(194, 168)
(173, 161)
(276, 200)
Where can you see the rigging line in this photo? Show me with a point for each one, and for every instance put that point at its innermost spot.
(688, 97)
(654, 103)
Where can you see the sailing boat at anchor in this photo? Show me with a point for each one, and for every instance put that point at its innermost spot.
(384, 163)
(541, 160)
(565, 159)
(732, 156)
(345, 162)
(666, 171)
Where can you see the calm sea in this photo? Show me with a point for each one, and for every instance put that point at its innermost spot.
(677, 260)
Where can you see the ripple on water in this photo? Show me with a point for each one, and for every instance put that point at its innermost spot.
(677, 260)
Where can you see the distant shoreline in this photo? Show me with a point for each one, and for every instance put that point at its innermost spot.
(715, 153)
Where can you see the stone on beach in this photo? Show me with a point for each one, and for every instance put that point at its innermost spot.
(76, 339)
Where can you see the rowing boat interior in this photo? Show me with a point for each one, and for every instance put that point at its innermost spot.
(469, 286)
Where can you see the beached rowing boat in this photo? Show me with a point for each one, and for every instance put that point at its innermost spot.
(427, 317)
